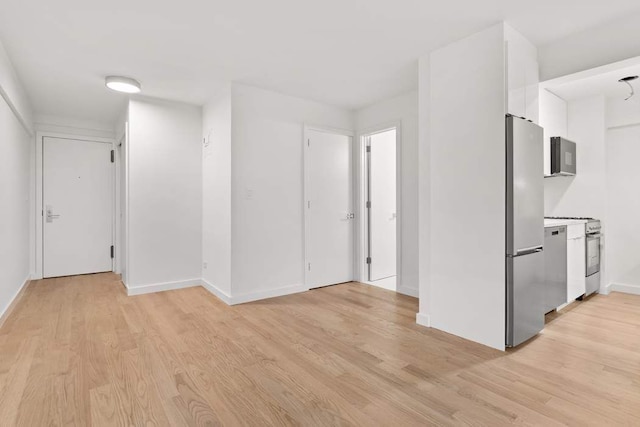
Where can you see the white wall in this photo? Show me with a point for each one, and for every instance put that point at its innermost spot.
(623, 206)
(267, 188)
(583, 194)
(72, 126)
(467, 166)
(403, 108)
(622, 113)
(12, 91)
(216, 191)
(612, 42)
(16, 189)
(165, 194)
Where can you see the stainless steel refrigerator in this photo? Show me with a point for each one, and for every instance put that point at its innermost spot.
(525, 287)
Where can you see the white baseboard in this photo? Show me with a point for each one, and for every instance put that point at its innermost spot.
(625, 289)
(159, 287)
(408, 291)
(226, 298)
(423, 320)
(6, 311)
(223, 296)
(270, 293)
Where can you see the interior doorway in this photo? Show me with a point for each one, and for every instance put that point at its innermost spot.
(380, 204)
(76, 203)
(328, 207)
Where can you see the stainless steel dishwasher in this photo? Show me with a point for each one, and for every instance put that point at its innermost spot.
(555, 259)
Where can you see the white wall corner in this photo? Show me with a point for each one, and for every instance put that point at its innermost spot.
(220, 294)
(159, 287)
(423, 319)
(606, 290)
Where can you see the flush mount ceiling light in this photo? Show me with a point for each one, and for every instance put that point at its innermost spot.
(122, 84)
(627, 80)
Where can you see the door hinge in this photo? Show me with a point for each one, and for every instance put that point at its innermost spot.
(113, 156)
(368, 148)
(368, 204)
(309, 267)
(309, 204)
(368, 260)
(113, 251)
(308, 142)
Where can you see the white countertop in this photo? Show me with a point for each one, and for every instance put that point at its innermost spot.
(560, 222)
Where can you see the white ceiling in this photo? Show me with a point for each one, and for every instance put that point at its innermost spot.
(343, 52)
(601, 83)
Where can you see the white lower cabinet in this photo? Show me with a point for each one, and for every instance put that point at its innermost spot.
(576, 262)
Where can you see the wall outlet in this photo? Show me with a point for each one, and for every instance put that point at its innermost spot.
(204, 265)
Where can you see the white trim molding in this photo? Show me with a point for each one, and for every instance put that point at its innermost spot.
(6, 311)
(423, 320)
(160, 287)
(223, 296)
(270, 293)
(622, 288)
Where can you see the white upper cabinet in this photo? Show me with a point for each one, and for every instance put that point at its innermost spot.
(553, 119)
(522, 76)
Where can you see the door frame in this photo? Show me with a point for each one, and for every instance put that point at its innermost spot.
(39, 209)
(120, 208)
(305, 194)
(362, 242)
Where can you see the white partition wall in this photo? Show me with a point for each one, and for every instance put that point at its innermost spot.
(165, 195)
(267, 256)
(216, 194)
(16, 185)
(467, 169)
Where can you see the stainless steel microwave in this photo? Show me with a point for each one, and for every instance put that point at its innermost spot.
(563, 156)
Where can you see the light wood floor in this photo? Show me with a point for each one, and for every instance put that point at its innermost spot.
(79, 351)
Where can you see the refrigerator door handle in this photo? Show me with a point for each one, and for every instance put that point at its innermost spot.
(527, 251)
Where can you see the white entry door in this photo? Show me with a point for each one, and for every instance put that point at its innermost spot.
(329, 215)
(382, 205)
(77, 185)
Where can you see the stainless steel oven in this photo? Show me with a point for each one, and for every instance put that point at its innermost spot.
(592, 272)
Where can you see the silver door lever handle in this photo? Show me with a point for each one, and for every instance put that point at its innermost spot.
(50, 215)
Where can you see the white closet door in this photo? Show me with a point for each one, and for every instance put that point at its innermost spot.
(330, 214)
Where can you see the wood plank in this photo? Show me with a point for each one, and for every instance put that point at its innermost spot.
(78, 350)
